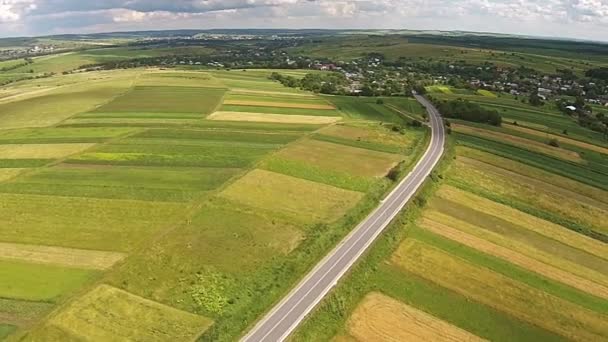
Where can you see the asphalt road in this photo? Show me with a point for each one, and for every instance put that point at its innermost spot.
(290, 312)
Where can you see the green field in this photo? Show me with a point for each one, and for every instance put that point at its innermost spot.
(138, 172)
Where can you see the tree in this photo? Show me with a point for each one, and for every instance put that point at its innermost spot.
(535, 100)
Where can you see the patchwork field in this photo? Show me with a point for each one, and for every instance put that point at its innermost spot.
(507, 242)
(147, 203)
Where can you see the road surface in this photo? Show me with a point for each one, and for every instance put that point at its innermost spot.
(290, 312)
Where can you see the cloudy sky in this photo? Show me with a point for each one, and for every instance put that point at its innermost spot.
(581, 19)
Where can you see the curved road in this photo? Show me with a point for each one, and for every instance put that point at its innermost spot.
(290, 312)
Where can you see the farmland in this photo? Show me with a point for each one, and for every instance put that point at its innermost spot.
(171, 179)
(507, 241)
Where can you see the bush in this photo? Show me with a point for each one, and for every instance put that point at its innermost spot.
(380, 101)
(554, 142)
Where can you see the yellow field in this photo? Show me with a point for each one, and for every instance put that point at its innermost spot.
(515, 258)
(500, 292)
(296, 198)
(527, 221)
(353, 160)
(41, 151)
(71, 257)
(110, 314)
(382, 318)
(178, 79)
(6, 174)
(560, 138)
(547, 177)
(554, 258)
(520, 142)
(273, 118)
(279, 104)
(544, 196)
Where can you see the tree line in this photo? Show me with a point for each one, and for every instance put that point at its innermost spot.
(468, 111)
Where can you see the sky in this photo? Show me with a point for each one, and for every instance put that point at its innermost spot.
(579, 19)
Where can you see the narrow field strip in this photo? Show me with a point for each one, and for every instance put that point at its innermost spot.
(273, 118)
(279, 104)
(108, 313)
(530, 244)
(382, 318)
(519, 142)
(41, 151)
(521, 192)
(500, 292)
(246, 91)
(299, 199)
(79, 258)
(352, 160)
(528, 221)
(560, 138)
(596, 194)
(516, 258)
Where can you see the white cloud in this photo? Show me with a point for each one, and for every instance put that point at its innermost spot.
(574, 18)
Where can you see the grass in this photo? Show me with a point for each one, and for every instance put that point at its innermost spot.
(35, 282)
(6, 174)
(178, 79)
(317, 174)
(175, 155)
(41, 151)
(301, 200)
(109, 313)
(487, 179)
(60, 135)
(220, 249)
(530, 263)
(6, 329)
(69, 257)
(221, 136)
(515, 298)
(166, 100)
(346, 159)
(534, 173)
(23, 163)
(54, 106)
(486, 93)
(276, 104)
(273, 118)
(573, 171)
(112, 225)
(374, 137)
(520, 142)
(279, 98)
(119, 182)
(560, 138)
(364, 108)
(277, 110)
(525, 220)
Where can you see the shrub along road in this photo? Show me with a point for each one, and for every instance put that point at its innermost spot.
(290, 312)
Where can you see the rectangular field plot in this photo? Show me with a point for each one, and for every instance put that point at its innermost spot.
(221, 249)
(508, 221)
(70, 257)
(284, 110)
(6, 174)
(382, 318)
(524, 143)
(227, 137)
(534, 173)
(121, 182)
(99, 224)
(166, 100)
(276, 104)
(364, 108)
(500, 292)
(41, 151)
(36, 282)
(373, 137)
(273, 118)
(352, 160)
(562, 139)
(160, 153)
(520, 259)
(528, 192)
(60, 135)
(276, 98)
(178, 79)
(300, 199)
(107, 313)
